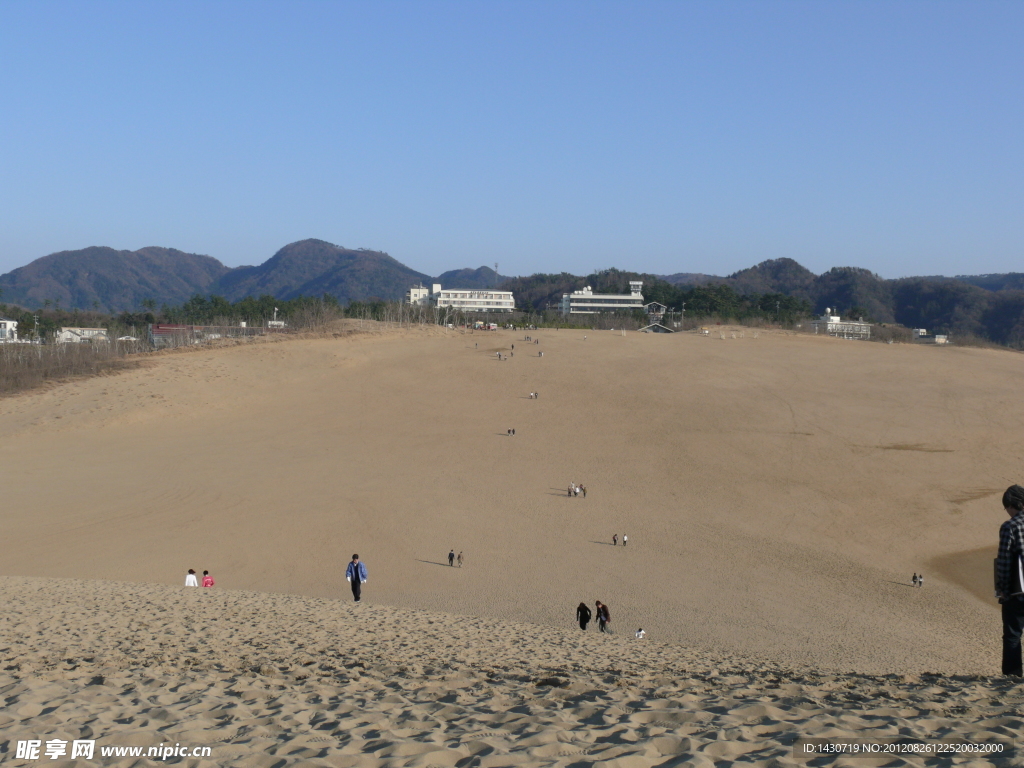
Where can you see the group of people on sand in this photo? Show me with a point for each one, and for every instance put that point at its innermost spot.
(576, 490)
(534, 395)
(452, 559)
(191, 580)
(615, 539)
(511, 433)
(918, 580)
(604, 618)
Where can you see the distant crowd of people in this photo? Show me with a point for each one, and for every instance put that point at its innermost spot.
(576, 490)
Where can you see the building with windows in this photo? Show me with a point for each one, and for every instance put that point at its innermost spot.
(417, 295)
(8, 330)
(834, 325)
(655, 311)
(462, 299)
(586, 302)
(80, 335)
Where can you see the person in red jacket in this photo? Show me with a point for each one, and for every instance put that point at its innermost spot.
(208, 579)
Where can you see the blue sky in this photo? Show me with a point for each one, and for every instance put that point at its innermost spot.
(659, 136)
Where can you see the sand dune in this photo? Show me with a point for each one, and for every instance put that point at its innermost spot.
(778, 492)
(279, 680)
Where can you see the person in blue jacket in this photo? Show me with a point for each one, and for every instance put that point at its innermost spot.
(356, 574)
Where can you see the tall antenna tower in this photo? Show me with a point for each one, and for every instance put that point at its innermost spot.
(495, 267)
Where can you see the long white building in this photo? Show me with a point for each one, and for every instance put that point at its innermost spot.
(464, 299)
(834, 325)
(586, 302)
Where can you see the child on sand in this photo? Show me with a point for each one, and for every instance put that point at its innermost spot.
(208, 579)
(190, 579)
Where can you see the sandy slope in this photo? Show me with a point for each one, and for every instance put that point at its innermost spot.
(778, 491)
(268, 681)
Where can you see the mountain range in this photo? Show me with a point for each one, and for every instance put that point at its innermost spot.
(109, 280)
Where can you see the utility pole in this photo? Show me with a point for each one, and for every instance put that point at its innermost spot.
(777, 312)
(682, 319)
(36, 318)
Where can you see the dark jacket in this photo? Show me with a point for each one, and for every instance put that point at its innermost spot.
(1009, 564)
(583, 613)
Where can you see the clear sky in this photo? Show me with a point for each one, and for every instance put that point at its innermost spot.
(652, 136)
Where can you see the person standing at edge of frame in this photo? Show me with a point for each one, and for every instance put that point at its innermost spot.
(356, 574)
(1009, 573)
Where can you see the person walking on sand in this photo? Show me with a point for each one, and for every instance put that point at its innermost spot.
(208, 579)
(451, 558)
(914, 580)
(583, 490)
(640, 634)
(615, 539)
(190, 579)
(357, 576)
(920, 580)
(459, 559)
(1009, 573)
(569, 491)
(583, 615)
(604, 618)
(625, 539)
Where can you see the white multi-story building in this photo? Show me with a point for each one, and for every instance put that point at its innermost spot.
(464, 299)
(833, 325)
(80, 335)
(417, 295)
(8, 330)
(586, 302)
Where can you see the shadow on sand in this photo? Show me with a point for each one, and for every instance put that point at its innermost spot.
(432, 562)
(900, 583)
(970, 569)
(605, 543)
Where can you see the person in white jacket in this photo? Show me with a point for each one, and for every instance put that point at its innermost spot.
(190, 579)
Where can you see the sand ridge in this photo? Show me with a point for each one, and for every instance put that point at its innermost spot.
(279, 680)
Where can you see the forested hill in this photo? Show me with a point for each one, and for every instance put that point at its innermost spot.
(988, 306)
(316, 267)
(108, 280)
